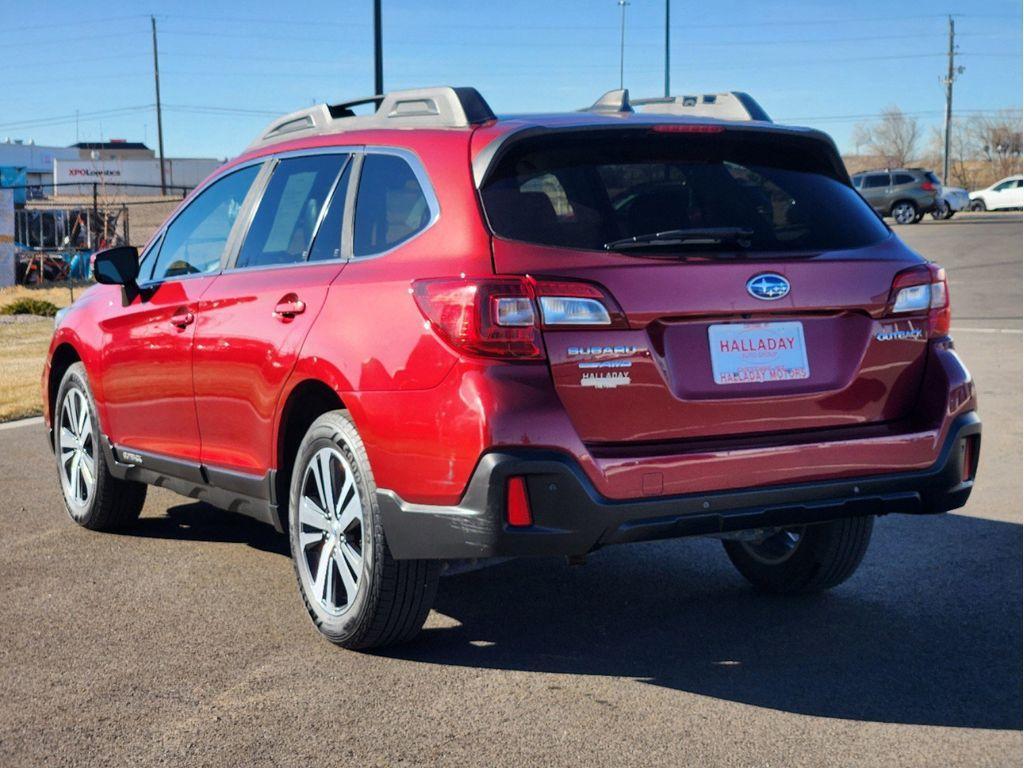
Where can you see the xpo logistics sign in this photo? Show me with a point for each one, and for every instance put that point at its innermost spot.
(76, 177)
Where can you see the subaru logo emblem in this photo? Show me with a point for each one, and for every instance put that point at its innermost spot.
(768, 286)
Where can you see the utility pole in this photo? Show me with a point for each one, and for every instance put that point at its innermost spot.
(668, 3)
(159, 116)
(378, 53)
(951, 73)
(622, 45)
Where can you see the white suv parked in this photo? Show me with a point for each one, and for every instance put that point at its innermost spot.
(1006, 193)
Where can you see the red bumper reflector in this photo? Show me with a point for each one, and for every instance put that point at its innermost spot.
(517, 503)
(969, 459)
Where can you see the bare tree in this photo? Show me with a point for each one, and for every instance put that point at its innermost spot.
(963, 170)
(997, 139)
(894, 137)
(861, 137)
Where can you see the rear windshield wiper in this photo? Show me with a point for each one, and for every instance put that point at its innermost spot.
(677, 237)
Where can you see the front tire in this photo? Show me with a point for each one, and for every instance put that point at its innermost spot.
(904, 212)
(356, 593)
(809, 558)
(978, 206)
(93, 497)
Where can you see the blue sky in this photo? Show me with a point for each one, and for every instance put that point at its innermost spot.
(227, 67)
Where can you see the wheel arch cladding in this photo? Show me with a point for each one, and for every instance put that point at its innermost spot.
(64, 356)
(307, 401)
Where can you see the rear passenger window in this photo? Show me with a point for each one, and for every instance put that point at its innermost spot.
(390, 205)
(875, 180)
(285, 221)
(902, 178)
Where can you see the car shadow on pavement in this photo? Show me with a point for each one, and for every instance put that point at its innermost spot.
(198, 521)
(927, 632)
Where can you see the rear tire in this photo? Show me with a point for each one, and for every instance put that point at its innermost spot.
(811, 558)
(904, 212)
(356, 593)
(93, 497)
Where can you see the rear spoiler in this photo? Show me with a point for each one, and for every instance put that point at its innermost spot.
(489, 157)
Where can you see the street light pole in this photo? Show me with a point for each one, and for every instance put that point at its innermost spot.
(378, 53)
(668, 3)
(622, 45)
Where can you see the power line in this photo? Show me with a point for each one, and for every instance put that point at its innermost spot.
(71, 117)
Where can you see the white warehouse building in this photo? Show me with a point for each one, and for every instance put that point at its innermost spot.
(122, 174)
(115, 162)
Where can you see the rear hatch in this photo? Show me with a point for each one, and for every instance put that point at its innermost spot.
(748, 285)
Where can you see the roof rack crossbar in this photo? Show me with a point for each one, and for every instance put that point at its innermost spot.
(438, 107)
(730, 105)
(344, 109)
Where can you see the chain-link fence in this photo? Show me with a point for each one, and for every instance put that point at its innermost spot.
(57, 227)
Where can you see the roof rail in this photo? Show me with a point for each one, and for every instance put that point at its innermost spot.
(438, 107)
(731, 105)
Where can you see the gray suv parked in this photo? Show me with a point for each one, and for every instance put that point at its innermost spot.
(906, 194)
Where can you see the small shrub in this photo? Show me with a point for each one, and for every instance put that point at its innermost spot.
(26, 306)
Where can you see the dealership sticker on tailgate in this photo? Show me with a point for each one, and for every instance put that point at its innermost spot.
(750, 353)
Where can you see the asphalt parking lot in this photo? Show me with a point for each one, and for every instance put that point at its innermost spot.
(184, 639)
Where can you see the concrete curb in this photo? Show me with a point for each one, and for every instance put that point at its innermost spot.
(29, 422)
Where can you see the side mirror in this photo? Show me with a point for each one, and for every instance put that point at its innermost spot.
(117, 266)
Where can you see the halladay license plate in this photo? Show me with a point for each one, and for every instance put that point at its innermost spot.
(753, 353)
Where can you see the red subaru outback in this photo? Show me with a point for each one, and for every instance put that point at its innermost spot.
(427, 335)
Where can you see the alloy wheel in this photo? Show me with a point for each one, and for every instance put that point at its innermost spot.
(775, 548)
(76, 446)
(903, 213)
(331, 546)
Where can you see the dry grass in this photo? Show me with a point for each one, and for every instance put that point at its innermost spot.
(58, 295)
(23, 348)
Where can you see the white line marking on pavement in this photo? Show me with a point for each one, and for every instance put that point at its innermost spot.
(30, 422)
(987, 330)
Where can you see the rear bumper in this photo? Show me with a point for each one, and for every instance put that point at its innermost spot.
(572, 518)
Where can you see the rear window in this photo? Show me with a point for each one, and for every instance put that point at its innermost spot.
(585, 189)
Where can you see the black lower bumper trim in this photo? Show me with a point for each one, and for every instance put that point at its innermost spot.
(571, 518)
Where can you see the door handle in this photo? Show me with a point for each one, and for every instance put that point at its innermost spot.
(289, 307)
(182, 320)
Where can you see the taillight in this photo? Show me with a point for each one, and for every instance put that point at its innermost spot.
(503, 316)
(923, 289)
(578, 304)
(927, 186)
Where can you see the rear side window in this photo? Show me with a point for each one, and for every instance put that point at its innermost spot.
(288, 214)
(876, 180)
(932, 177)
(586, 189)
(902, 178)
(391, 206)
(194, 242)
